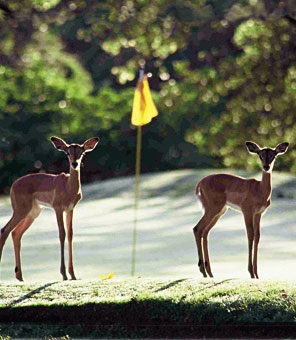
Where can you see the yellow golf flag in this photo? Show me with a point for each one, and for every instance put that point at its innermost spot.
(143, 107)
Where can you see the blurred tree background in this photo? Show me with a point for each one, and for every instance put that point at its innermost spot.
(223, 72)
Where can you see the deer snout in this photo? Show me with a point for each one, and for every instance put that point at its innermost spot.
(266, 167)
(74, 165)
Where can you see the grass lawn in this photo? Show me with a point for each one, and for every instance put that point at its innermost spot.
(103, 230)
(139, 308)
(168, 289)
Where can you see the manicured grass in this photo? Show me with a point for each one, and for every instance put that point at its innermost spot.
(169, 298)
(168, 211)
(148, 308)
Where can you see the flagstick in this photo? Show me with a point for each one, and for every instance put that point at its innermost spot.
(137, 185)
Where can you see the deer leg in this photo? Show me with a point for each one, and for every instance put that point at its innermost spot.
(257, 219)
(198, 231)
(69, 219)
(250, 233)
(5, 231)
(62, 236)
(16, 237)
(17, 234)
(205, 241)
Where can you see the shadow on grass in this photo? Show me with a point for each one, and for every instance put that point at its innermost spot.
(29, 295)
(152, 318)
(172, 284)
(206, 286)
(176, 184)
(285, 190)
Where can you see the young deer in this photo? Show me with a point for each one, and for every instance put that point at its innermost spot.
(31, 193)
(252, 197)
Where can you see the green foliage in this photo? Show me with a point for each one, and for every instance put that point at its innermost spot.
(259, 95)
(50, 95)
(223, 72)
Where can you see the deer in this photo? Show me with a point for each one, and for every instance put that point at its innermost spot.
(218, 192)
(30, 194)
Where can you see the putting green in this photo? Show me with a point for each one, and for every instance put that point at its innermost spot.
(104, 222)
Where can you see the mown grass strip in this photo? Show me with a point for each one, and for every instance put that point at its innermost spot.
(145, 308)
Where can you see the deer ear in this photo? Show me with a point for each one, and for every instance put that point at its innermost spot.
(252, 147)
(281, 148)
(59, 144)
(90, 144)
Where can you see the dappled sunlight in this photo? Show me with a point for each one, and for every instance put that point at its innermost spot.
(280, 247)
(42, 241)
(168, 181)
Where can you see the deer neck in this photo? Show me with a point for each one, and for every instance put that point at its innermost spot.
(266, 185)
(74, 184)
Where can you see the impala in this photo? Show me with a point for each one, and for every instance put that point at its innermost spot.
(252, 197)
(31, 193)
